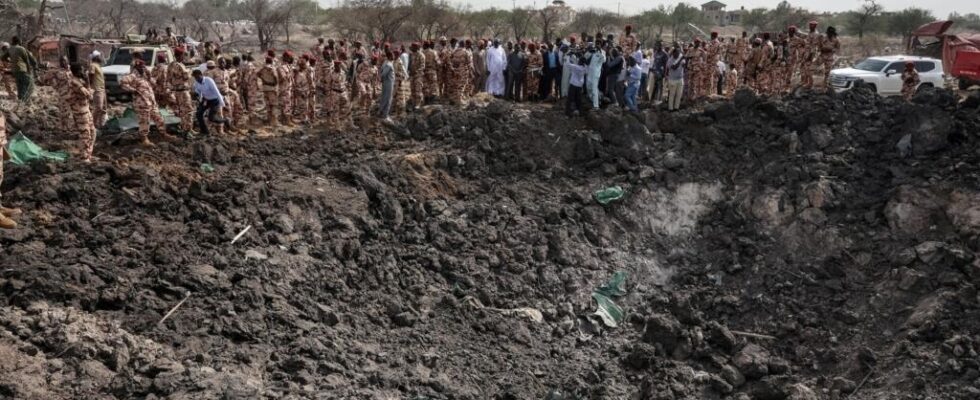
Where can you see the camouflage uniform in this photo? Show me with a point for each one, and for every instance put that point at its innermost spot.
(445, 71)
(461, 66)
(810, 51)
(180, 84)
(402, 86)
(778, 71)
(366, 75)
(697, 64)
(270, 87)
(7, 79)
(322, 83)
(731, 82)
(628, 43)
(161, 86)
(532, 75)
(431, 73)
(828, 48)
(303, 91)
(59, 79)
(742, 51)
(713, 53)
(764, 68)
(338, 100)
(910, 81)
(144, 103)
(417, 74)
(285, 74)
(221, 81)
(80, 104)
(248, 86)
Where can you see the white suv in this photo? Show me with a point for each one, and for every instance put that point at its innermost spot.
(884, 74)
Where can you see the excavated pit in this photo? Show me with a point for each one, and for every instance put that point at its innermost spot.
(774, 250)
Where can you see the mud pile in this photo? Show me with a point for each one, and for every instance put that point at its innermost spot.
(774, 250)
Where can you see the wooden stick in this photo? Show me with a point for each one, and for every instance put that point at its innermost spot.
(174, 309)
(863, 381)
(754, 335)
(240, 234)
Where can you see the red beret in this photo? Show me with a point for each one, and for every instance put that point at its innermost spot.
(271, 53)
(813, 23)
(287, 53)
(629, 27)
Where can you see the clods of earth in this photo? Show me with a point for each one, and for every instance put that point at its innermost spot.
(818, 247)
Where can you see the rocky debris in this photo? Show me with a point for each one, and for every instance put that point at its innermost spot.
(777, 249)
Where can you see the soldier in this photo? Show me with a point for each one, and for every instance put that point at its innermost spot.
(731, 80)
(458, 73)
(80, 100)
(285, 74)
(445, 73)
(829, 46)
(171, 39)
(303, 90)
(138, 83)
(5, 213)
(248, 87)
(221, 81)
(713, 53)
(337, 100)
(532, 75)
(480, 67)
(58, 79)
(229, 90)
(6, 75)
(696, 62)
(403, 87)
(322, 78)
(742, 49)
(910, 81)
(432, 68)
(627, 41)
(97, 79)
(317, 49)
(180, 79)
(161, 87)
(417, 74)
(780, 66)
(270, 87)
(809, 53)
(367, 73)
(797, 47)
(752, 66)
(765, 65)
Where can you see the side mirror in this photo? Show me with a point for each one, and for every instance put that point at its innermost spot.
(891, 72)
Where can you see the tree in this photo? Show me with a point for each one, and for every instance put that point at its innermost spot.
(756, 19)
(377, 19)
(905, 21)
(492, 22)
(548, 18)
(520, 22)
(591, 21)
(267, 17)
(651, 24)
(866, 18)
(683, 14)
(969, 21)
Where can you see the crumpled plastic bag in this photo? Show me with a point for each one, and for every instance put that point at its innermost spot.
(22, 151)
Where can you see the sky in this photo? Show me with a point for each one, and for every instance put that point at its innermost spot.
(939, 8)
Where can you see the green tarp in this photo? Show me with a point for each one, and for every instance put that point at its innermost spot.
(608, 195)
(22, 151)
(129, 121)
(612, 314)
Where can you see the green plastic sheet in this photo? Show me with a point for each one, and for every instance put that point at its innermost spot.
(22, 151)
(607, 309)
(207, 168)
(129, 121)
(609, 195)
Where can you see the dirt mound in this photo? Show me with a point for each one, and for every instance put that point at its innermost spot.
(817, 247)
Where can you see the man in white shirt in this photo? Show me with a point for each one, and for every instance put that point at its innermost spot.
(210, 100)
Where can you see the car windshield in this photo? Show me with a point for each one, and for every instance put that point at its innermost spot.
(871, 65)
(125, 57)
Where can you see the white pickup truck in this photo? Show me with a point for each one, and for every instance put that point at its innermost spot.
(884, 74)
(121, 59)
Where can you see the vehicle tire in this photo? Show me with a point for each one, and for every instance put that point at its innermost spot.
(873, 87)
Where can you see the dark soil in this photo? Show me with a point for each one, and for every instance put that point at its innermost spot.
(798, 249)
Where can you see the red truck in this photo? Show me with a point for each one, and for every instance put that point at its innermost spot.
(960, 52)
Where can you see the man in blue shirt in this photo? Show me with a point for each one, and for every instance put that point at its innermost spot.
(634, 75)
(659, 71)
(210, 100)
(552, 70)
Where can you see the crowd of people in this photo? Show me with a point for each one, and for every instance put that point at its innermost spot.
(337, 80)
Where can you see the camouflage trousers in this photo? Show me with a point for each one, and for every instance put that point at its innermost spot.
(694, 82)
(806, 74)
(305, 104)
(8, 85)
(340, 112)
(764, 81)
(908, 90)
(86, 129)
(418, 90)
(532, 82)
(184, 109)
(731, 85)
(826, 63)
(235, 108)
(402, 92)
(148, 113)
(64, 114)
(164, 98)
(286, 103)
(710, 80)
(99, 107)
(364, 96)
(270, 97)
(431, 83)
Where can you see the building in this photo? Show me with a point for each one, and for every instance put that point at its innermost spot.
(714, 12)
(565, 13)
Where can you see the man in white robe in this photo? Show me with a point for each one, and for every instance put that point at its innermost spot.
(496, 64)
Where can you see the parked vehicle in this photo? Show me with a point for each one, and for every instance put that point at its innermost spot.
(960, 53)
(884, 74)
(121, 59)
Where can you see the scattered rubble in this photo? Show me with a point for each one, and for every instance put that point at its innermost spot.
(775, 250)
